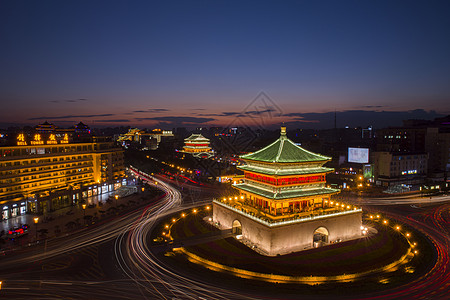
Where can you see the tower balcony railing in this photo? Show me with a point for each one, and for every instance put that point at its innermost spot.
(270, 221)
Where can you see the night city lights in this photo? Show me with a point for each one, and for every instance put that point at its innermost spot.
(225, 149)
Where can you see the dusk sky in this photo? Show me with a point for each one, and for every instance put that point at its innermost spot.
(206, 63)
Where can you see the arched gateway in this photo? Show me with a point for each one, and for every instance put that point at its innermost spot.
(237, 227)
(320, 237)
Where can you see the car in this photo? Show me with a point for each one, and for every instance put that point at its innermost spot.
(17, 231)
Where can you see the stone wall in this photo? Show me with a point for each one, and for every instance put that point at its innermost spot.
(288, 238)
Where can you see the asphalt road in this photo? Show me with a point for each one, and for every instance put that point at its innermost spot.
(115, 260)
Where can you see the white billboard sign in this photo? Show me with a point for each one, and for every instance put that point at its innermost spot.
(358, 155)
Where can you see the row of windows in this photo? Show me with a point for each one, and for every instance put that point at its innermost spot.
(41, 176)
(25, 151)
(392, 137)
(408, 163)
(44, 161)
(394, 169)
(43, 169)
(43, 183)
(409, 157)
(6, 152)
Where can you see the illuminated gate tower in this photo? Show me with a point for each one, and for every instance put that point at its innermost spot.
(283, 204)
(197, 144)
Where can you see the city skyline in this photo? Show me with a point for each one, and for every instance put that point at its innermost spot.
(198, 63)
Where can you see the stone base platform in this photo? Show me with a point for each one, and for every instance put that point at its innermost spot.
(284, 237)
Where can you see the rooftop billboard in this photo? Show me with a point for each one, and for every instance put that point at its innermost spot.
(358, 155)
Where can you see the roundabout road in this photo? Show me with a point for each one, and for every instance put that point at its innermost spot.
(138, 273)
(435, 284)
(162, 281)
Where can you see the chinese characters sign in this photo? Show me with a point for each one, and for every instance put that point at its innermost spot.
(37, 139)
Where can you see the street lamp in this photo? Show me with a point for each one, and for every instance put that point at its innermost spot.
(36, 222)
(84, 213)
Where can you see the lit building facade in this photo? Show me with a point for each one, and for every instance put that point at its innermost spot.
(401, 139)
(151, 139)
(46, 172)
(421, 136)
(438, 148)
(196, 143)
(400, 168)
(49, 128)
(283, 204)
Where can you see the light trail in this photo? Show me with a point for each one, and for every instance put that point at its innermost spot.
(147, 266)
(143, 267)
(147, 277)
(435, 283)
(412, 199)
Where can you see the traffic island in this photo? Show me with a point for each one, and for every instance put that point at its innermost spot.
(392, 255)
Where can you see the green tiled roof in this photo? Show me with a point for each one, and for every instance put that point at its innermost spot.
(282, 172)
(284, 150)
(196, 137)
(285, 194)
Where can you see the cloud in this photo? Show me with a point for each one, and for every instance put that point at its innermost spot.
(372, 106)
(306, 121)
(70, 100)
(357, 118)
(151, 110)
(67, 121)
(179, 119)
(259, 112)
(167, 122)
(240, 114)
(70, 116)
(230, 113)
(224, 114)
(113, 120)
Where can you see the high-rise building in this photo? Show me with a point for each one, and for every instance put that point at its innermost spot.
(400, 168)
(46, 172)
(401, 139)
(420, 136)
